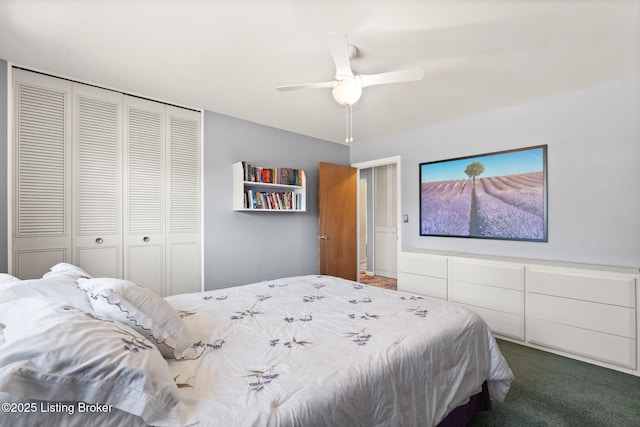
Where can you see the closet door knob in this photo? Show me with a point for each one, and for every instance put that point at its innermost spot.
(99, 240)
(145, 239)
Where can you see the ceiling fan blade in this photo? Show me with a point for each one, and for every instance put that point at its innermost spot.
(306, 86)
(392, 77)
(340, 51)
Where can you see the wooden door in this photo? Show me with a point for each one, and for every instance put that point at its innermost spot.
(337, 210)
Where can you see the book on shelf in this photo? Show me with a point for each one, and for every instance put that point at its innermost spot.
(283, 176)
(278, 200)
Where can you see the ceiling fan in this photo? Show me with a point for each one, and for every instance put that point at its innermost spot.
(347, 86)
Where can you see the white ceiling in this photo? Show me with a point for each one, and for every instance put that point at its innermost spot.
(227, 56)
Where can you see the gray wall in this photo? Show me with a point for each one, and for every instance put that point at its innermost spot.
(593, 138)
(245, 247)
(4, 99)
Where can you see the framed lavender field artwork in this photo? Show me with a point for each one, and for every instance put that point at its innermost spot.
(501, 195)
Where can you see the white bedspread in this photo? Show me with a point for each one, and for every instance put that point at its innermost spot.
(322, 351)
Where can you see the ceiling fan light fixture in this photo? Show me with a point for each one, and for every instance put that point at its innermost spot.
(347, 85)
(347, 92)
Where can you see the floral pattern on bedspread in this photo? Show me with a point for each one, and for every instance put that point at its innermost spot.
(319, 350)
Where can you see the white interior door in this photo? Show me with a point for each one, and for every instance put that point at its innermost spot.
(144, 188)
(183, 241)
(41, 174)
(97, 182)
(385, 221)
(362, 224)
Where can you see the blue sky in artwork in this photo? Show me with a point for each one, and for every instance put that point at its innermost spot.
(500, 164)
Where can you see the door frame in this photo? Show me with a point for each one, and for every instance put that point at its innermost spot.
(371, 164)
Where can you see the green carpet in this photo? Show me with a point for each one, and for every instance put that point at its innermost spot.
(551, 390)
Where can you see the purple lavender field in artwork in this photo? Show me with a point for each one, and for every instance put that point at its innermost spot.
(503, 207)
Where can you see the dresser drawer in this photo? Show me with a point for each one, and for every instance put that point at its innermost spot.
(425, 264)
(608, 348)
(499, 299)
(502, 275)
(605, 318)
(616, 289)
(501, 323)
(435, 287)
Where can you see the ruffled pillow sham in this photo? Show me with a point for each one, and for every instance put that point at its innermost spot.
(143, 310)
(54, 351)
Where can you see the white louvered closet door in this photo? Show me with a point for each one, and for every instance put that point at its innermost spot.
(42, 174)
(109, 182)
(144, 193)
(183, 201)
(97, 183)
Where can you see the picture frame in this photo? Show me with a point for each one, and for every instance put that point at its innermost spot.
(499, 195)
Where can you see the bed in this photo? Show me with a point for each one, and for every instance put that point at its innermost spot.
(299, 351)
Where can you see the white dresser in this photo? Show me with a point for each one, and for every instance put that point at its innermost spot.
(587, 312)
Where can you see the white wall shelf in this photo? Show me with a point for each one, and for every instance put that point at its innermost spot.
(252, 194)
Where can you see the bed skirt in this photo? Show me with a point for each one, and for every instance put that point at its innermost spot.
(461, 416)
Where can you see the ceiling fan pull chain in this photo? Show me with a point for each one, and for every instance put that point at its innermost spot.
(346, 110)
(350, 123)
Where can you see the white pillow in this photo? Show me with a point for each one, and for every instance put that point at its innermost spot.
(7, 278)
(65, 269)
(57, 352)
(58, 287)
(143, 310)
